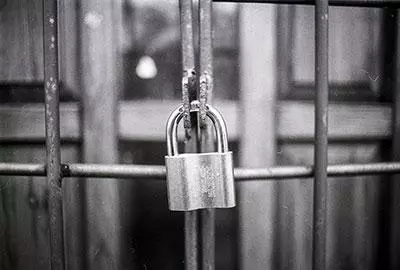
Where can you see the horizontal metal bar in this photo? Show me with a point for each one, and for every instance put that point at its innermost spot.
(23, 169)
(354, 3)
(114, 171)
(158, 171)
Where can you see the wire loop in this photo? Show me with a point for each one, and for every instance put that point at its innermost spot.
(188, 95)
(204, 89)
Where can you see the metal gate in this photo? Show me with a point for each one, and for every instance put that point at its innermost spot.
(57, 173)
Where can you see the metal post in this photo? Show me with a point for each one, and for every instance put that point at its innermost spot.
(393, 236)
(189, 78)
(321, 133)
(206, 138)
(53, 159)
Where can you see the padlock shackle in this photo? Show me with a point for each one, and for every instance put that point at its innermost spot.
(215, 116)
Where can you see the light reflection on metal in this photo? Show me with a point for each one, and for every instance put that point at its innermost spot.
(199, 180)
(158, 172)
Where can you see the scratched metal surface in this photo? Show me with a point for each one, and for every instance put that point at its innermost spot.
(198, 181)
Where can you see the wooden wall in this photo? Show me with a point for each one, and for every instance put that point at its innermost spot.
(23, 211)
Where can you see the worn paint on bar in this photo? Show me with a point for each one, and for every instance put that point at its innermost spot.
(52, 116)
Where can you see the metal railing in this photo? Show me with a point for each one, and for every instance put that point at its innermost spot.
(158, 172)
(55, 171)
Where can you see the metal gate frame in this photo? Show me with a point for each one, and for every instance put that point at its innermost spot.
(56, 172)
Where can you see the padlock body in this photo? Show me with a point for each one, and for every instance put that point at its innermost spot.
(201, 180)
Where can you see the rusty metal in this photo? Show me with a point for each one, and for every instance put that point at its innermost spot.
(206, 57)
(215, 116)
(321, 135)
(52, 116)
(189, 93)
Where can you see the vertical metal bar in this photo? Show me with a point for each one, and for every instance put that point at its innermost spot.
(189, 92)
(53, 159)
(206, 61)
(393, 236)
(188, 66)
(321, 133)
(206, 139)
(186, 16)
(191, 239)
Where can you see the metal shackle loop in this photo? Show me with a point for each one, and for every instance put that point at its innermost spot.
(216, 118)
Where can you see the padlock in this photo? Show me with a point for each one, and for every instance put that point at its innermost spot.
(199, 180)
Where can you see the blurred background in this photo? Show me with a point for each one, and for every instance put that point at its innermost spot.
(121, 76)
